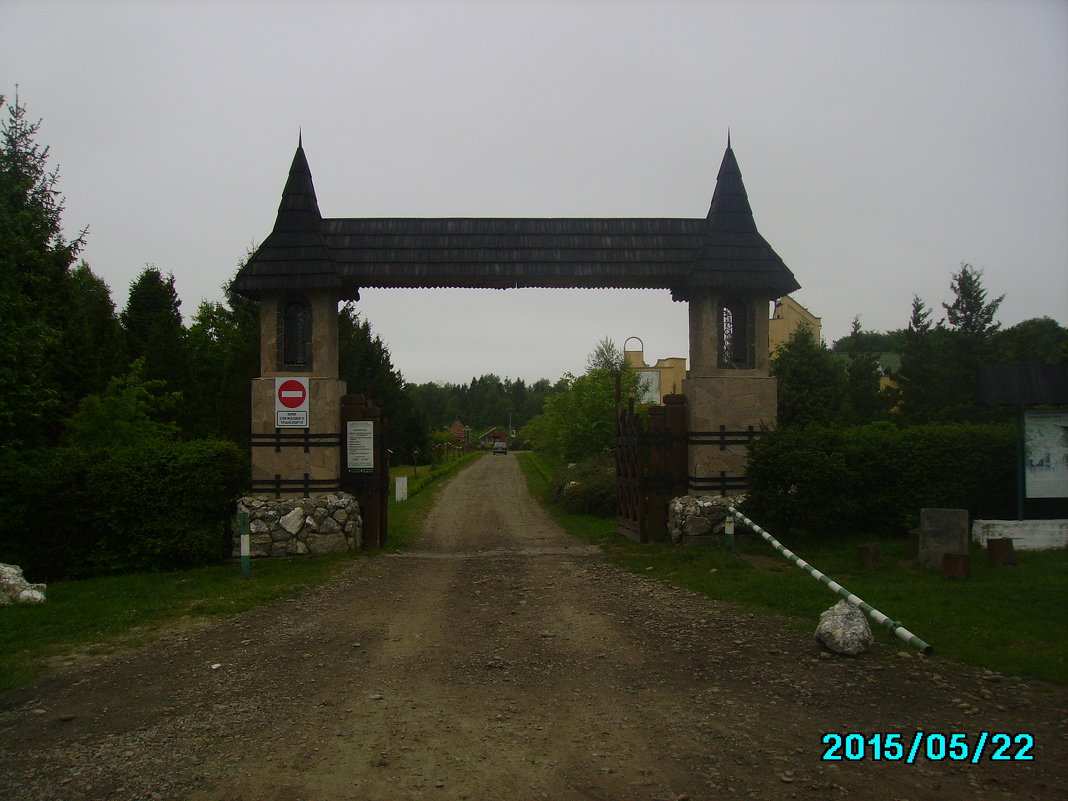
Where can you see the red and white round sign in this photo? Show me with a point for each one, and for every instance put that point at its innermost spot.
(292, 394)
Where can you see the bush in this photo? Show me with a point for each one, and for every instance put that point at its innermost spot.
(873, 480)
(588, 486)
(42, 514)
(71, 513)
(165, 506)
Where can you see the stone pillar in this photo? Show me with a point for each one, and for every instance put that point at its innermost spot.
(297, 462)
(727, 405)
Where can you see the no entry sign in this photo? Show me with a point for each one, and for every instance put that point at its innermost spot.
(291, 402)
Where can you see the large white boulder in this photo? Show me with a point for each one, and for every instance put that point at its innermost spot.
(844, 629)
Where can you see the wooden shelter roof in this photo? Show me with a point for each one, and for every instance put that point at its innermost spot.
(722, 251)
(1023, 384)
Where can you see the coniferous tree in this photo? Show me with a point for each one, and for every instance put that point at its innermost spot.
(940, 363)
(970, 313)
(365, 365)
(35, 261)
(152, 323)
(811, 383)
(920, 375)
(224, 357)
(92, 338)
(866, 400)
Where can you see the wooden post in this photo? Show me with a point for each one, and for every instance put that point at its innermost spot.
(366, 474)
(657, 482)
(871, 556)
(956, 565)
(675, 423)
(1000, 553)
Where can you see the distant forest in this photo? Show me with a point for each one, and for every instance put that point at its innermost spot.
(481, 403)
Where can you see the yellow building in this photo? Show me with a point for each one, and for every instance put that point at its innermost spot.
(786, 315)
(666, 376)
(663, 378)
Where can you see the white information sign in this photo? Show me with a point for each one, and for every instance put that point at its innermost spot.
(1046, 453)
(291, 402)
(360, 446)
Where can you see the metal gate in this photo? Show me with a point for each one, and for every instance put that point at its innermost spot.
(650, 466)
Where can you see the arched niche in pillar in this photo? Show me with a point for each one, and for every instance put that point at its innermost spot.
(293, 340)
(736, 333)
(298, 333)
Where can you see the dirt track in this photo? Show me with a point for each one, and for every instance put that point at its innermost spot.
(502, 659)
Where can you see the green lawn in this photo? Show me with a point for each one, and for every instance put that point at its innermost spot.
(1009, 619)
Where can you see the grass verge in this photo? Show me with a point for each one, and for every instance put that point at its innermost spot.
(406, 517)
(1008, 619)
(103, 614)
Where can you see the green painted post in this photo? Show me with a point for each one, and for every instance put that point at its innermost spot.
(246, 550)
(728, 530)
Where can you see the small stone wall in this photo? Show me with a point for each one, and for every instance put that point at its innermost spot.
(698, 517)
(1026, 535)
(294, 526)
(14, 589)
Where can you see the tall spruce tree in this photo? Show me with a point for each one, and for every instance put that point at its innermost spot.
(224, 357)
(35, 260)
(152, 322)
(940, 362)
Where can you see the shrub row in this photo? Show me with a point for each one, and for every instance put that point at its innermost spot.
(873, 480)
(70, 513)
(588, 486)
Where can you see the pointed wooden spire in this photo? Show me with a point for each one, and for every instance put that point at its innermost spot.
(299, 208)
(295, 255)
(730, 209)
(735, 256)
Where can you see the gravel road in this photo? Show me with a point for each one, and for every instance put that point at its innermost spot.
(501, 659)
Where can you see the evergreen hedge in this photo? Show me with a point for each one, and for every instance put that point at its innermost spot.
(873, 480)
(71, 513)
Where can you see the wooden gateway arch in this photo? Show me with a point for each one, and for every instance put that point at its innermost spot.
(719, 264)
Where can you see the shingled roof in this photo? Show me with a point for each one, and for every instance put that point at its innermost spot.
(1023, 384)
(734, 254)
(722, 251)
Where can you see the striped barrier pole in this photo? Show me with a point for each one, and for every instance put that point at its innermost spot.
(892, 626)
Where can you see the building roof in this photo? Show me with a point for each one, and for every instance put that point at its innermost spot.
(1024, 384)
(722, 251)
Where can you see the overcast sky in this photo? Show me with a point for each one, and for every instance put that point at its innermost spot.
(882, 143)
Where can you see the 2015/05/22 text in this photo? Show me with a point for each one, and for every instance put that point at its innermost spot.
(933, 746)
